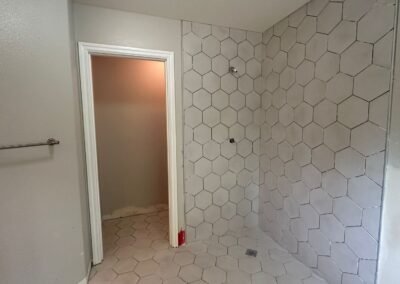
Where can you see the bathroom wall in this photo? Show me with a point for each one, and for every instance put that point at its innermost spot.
(310, 133)
(44, 232)
(130, 115)
(221, 178)
(327, 72)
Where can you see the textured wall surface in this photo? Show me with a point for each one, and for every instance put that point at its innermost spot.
(327, 72)
(221, 178)
(44, 232)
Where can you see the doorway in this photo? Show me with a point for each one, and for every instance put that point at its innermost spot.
(104, 165)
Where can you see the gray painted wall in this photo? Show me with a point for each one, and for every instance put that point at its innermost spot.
(106, 26)
(327, 71)
(43, 206)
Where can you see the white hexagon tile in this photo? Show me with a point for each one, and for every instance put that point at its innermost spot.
(307, 110)
(222, 190)
(327, 77)
(136, 250)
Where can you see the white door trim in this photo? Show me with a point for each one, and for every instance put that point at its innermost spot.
(86, 50)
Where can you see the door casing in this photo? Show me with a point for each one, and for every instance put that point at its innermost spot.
(86, 50)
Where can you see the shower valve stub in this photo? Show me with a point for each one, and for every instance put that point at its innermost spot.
(233, 70)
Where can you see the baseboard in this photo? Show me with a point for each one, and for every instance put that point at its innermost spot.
(86, 279)
(133, 210)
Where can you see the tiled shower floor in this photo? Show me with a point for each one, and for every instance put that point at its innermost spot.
(137, 251)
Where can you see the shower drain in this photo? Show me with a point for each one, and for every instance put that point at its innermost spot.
(251, 252)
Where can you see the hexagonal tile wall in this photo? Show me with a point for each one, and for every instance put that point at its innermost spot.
(222, 190)
(324, 134)
(308, 121)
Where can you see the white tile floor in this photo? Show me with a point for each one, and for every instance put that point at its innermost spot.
(137, 251)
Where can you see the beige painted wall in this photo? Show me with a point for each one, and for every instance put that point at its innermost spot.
(106, 26)
(43, 206)
(130, 117)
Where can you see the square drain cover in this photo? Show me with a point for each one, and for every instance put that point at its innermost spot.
(251, 252)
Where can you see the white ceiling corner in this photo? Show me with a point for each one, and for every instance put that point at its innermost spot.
(253, 15)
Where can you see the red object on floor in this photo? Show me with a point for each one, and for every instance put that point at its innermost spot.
(181, 237)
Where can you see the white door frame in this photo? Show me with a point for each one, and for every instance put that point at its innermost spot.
(86, 50)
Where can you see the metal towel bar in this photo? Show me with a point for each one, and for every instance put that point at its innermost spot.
(49, 142)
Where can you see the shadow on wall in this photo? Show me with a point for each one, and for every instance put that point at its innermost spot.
(130, 113)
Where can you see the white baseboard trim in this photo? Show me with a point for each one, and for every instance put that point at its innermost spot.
(86, 279)
(133, 210)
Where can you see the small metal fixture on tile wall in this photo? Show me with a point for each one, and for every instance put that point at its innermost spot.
(233, 70)
(251, 252)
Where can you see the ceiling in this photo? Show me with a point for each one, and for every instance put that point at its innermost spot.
(253, 15)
